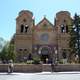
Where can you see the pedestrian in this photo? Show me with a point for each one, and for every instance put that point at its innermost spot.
(10, 66)
(46, 60)
(52, 67)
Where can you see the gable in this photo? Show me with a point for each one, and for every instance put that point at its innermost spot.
(44, 24)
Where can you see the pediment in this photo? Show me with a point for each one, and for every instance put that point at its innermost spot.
(44, 24)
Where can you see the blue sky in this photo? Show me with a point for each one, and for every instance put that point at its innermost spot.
(9, 10)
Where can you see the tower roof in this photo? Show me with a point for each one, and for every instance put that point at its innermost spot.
(25, 11)
(63, 12)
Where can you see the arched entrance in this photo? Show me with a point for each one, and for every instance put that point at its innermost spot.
(45, 53)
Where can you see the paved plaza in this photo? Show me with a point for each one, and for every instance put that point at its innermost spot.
(41, 76)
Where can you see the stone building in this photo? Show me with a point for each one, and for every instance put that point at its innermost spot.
(45, 39)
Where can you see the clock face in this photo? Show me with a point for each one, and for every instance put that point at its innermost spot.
(44, 37)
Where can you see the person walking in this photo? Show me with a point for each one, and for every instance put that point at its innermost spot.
(10, 66)
(52, 67)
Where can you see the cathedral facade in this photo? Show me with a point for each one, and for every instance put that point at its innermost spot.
(45, 39)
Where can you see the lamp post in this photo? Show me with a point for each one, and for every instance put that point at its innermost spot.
(55, 60)
(56, 57)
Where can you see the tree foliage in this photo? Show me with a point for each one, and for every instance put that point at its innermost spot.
(7, 52)
(74, 42)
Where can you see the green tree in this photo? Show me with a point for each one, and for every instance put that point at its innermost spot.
(3, 53)
(74, 42)
(7, 52)
(77, 27)
(10, 52)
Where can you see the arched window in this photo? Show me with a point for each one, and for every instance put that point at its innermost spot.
(62, 28)
(26, 28)
(66, 29)
(20, 49)
(22, 28)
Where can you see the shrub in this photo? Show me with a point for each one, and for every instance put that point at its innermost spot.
(29, 61)
(36, 60)
(61, 61)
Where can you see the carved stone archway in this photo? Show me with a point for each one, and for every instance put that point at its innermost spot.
(45, 53)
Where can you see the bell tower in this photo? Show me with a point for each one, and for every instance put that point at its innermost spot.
(23, 40)
(63, 23)
(24, 22)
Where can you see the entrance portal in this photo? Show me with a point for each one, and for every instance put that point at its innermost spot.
(45, 54)
(45, 58)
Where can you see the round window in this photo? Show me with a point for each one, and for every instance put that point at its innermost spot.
(44, 37)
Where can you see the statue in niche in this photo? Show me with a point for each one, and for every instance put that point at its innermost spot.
(26, 28)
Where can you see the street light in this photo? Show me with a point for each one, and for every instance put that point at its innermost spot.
(56, 56)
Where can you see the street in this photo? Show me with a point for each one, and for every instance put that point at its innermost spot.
(41, 76)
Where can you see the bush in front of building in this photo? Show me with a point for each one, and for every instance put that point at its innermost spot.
(36, 60)
(61, 61)
(29, 62)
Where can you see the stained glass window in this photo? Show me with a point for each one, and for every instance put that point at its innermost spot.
(44, 37)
